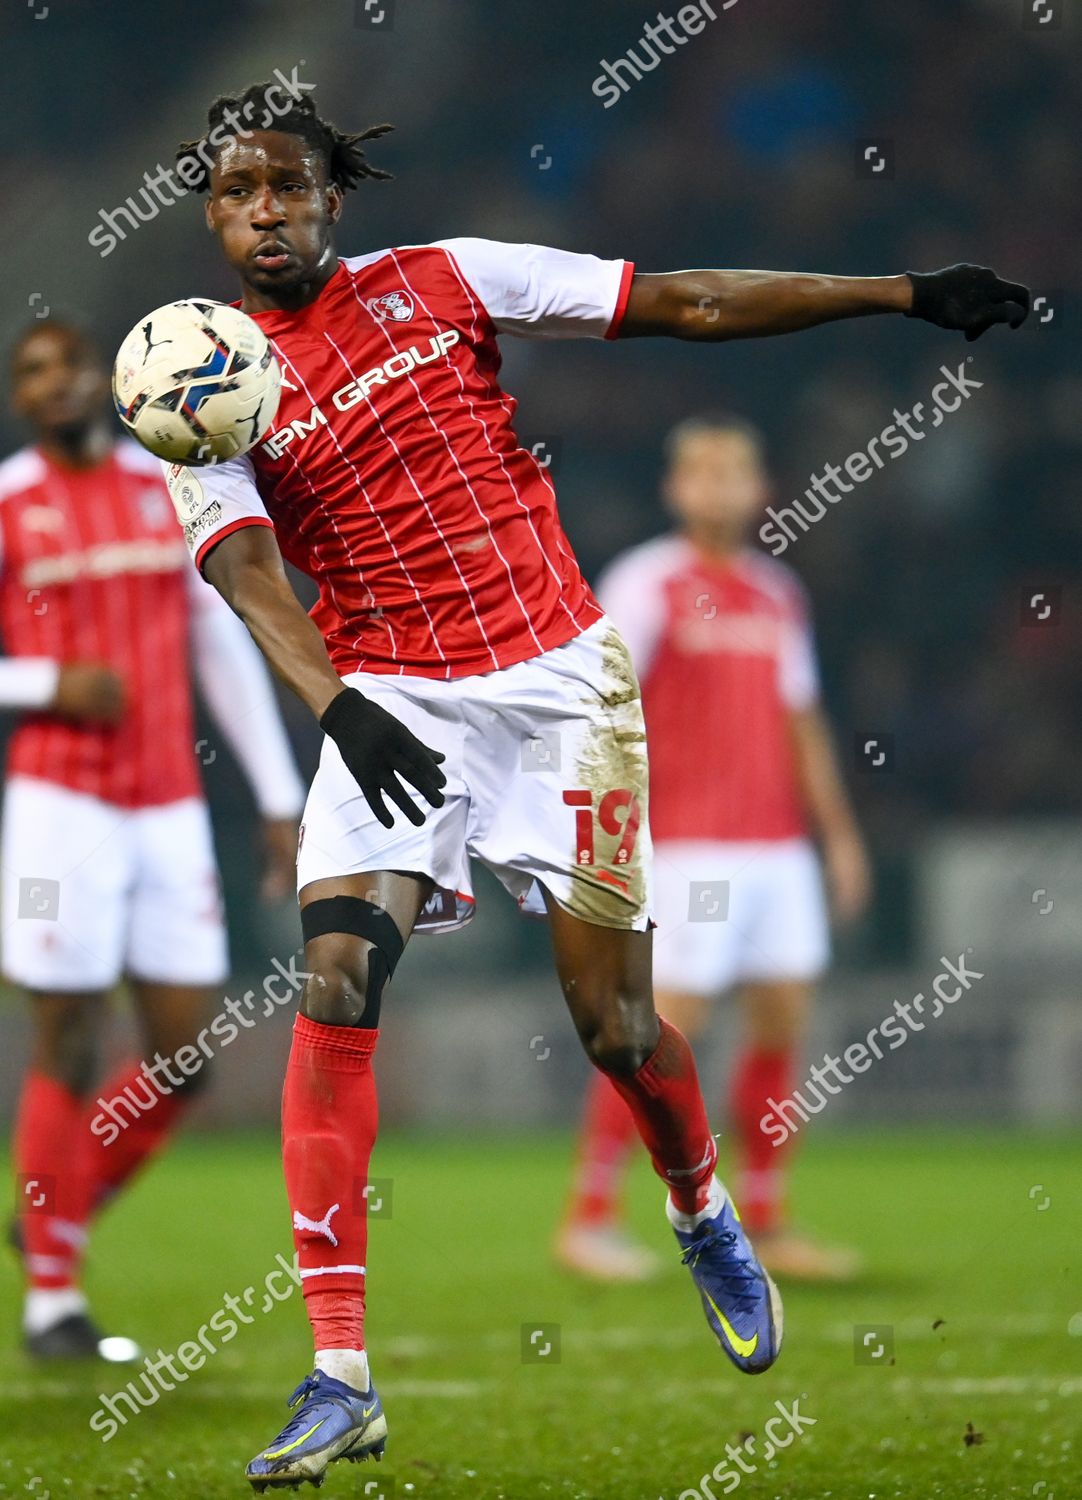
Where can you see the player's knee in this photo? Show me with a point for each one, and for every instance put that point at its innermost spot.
(775, 1032)
(66, 1045)
(337, 990)
(73, 1062)
(777, 1015)
(194, 1084)
(351, 949)
(621, 1036)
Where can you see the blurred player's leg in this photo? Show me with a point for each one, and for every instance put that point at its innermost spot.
(72, 853)
(606, 977)
(592, 1240)
(52, 1151)
(175, 953)
(775, 1016)
(329, 1121)
(170, 1017)
(782, 912)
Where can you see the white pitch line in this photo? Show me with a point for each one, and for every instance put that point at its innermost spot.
(411, 1345)
(1064, 1386)
(921, 1328)
(995, 1385)
(1011, 1325)
(240, 1390)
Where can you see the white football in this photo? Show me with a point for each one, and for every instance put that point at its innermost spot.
(196, 382)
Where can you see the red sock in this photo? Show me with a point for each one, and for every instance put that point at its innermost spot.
(125, 1137)
(761, 1074)
(329, 1120)
(607, 1134)
(52, 1162)
(667, 1104)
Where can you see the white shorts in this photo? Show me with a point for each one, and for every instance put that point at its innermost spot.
(733, 912)
(546, 785)
(91, 891)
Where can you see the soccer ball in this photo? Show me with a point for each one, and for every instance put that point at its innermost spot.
(196, 382)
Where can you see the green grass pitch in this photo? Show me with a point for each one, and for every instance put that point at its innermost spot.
(974, 1243)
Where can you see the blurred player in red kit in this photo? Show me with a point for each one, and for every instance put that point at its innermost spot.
(462, 669)
(722, 644)
(108, 860)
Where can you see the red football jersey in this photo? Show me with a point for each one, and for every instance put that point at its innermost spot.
(392, 475)
(724, 655)
(92, 570)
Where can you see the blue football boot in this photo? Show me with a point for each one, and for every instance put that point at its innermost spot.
(741, 1302)
(331, 1421)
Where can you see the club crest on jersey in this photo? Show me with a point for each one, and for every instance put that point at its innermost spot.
(394, 307)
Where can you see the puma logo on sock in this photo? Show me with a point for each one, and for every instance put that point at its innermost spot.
(711, 1151)
(318, 1226)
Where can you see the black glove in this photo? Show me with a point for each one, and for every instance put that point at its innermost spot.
(377, 750)
(968, 298)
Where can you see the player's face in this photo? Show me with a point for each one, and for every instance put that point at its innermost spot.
(272, 209)
(716, 481)
(58, 383)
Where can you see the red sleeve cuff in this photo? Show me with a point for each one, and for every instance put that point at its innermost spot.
(205, 548)
(621, 299)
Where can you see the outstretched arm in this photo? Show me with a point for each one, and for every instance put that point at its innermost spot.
(716, 305)
(246, 569)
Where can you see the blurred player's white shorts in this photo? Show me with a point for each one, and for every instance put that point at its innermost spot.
(733, 912)
(546, 785)
(91, 891)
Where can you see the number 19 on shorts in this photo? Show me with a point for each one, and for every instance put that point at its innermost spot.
(618, 814)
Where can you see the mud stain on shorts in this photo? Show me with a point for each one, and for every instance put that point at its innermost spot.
(612, 764)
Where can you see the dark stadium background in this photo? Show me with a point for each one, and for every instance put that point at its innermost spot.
(740, 151)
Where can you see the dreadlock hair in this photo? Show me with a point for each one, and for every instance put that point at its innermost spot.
(259, 107)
